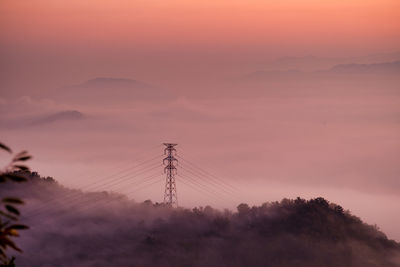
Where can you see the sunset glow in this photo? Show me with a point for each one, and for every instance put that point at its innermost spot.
(278, 99)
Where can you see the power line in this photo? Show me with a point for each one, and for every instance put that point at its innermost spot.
(89, 201)
(224, 190)
(212, 176)
(205, 194)
(193, 176)
(205, 189)
(128, 161)
(109, 177)
(74, 196)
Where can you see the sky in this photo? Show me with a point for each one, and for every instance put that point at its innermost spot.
(310, 132)
(52, 43)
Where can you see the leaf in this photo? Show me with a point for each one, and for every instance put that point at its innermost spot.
(11, 232)
(10, 263)
(11, 217)
(22, 156)
(10, 243)
(12, 209)
(18, 227)
(6, 148)
(12, 200)
(21, 167)
(3, 225)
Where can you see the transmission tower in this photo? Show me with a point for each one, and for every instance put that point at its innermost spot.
(170, 196)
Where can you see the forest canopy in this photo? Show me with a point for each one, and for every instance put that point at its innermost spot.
(74, 228)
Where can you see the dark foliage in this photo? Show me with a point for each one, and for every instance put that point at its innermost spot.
(72, 228)
(9, 213)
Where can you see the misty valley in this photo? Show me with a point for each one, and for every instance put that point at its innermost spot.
(196, 133)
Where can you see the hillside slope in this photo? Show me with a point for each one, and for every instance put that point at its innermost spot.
(73, 228)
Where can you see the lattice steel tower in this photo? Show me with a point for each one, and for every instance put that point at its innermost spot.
(170, 196)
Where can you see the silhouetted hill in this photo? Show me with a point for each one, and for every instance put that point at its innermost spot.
(73, 228)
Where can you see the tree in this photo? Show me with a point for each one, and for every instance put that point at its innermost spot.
(243, 209)
(9, 213)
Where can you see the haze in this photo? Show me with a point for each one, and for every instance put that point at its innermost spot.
(278, 98)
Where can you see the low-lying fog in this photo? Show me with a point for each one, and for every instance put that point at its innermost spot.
(333, 133)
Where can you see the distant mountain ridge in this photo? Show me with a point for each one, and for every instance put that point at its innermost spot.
(314, 63)
(386, 67)
(383, 68)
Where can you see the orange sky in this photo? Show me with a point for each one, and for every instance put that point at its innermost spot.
(373, 24)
